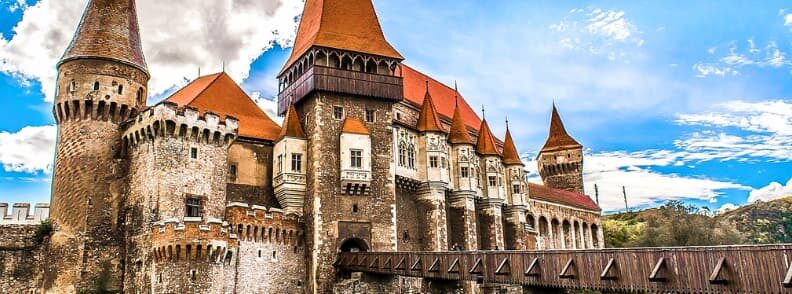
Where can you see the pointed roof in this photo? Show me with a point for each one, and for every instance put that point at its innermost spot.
(486, 141)
(459, 132)
(354, 126)
(510, 155)
(108, 29)
(428, 121)
(291, 125)
(443, 96)
(350, 25)
(544, 193)
(219, 94)
(558, 138)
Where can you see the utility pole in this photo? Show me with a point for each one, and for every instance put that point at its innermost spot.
(624, 191)
(596, 193)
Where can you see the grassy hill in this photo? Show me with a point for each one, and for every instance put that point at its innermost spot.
(763, 222)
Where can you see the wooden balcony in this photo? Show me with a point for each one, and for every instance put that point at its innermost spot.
(319, 78)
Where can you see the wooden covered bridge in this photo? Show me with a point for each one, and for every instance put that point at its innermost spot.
(718, 269)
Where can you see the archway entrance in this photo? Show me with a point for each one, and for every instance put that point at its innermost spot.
(353, 245)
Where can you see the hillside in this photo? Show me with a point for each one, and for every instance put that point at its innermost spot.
(763, 222)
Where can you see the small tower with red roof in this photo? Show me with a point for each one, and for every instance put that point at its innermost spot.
(434, 174)
(561, 159)
(514, 214)
(491, 204)
(289, 170)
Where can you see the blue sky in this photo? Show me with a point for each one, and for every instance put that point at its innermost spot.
(686, 100)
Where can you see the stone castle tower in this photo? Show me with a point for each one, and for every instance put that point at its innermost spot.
(98, 88)
(561, 159)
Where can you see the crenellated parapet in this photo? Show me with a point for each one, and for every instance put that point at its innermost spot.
(167, 120)
(21, 214)
(265, 225)
(174, 241)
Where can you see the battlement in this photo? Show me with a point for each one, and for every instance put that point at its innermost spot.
(167, 120)
(261, 224)
(20, 214)
(183, 241)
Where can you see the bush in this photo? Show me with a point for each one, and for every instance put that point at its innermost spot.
(43, 231)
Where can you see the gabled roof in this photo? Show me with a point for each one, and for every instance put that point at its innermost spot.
(350, 25)
(459, 132)
(486, 141)
(510, 155)
(428, 121)
(444, 97)
(219, 94)
(544, 193)
(558, 138)
(108, 29)
(291, 125)
(354, 126)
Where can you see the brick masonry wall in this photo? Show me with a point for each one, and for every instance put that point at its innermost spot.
(410, 231)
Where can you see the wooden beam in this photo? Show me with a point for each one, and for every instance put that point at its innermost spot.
(611, 271)
(658, 272)
(533, 269)
(569, 271)
(504, 268)
(401, 265)
(375, 263)
(476, 268)
(718, 275)
(454, 268)
(417, 265)
(788, 277)
(435, 267)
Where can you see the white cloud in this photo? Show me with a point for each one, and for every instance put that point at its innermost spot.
(269, 105)
(769, 56)
(772, 191)
(206, 34)
(29, 150)
(726, 207)
(599, 32)
(708, 69)
(788, 20)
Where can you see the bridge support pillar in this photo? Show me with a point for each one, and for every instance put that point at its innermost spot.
(462, 218)
(514, 227)
(491, 221)
(431, 200)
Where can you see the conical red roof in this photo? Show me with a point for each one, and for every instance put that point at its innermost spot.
(291, 125)
(459, 132)
(510, 155)
(350, 25)
(428, 120)
(486, 141)
(558, 138)
(109, 30)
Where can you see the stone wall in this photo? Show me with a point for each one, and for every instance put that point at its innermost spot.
(584, 229)
(20, 259)
(562, 169)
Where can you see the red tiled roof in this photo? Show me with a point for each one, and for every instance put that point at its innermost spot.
(291, 125)
(428, 120)
(444, 97)
(354, 126)
(459, 132)
(558, 137)
(108, 29)
(486, 141)
(544, 193)
(219, 94)
(510, 155)
(350, 25)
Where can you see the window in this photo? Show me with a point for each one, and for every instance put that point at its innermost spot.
(516, 189)
(296, 163)
(193, 153)
(398, 116)
(464, 172)
(192, 275)
(338, 112)
(433, 161)
(356, 158)
(411, 156)
(139, 96)
(72, 86)
(402, 154)
(120, 89)
(280, 163)
(354, 208)
(96, 86)
(193, 207)
(274, 256)
(370, 115)
(493, 181)
(232, 172)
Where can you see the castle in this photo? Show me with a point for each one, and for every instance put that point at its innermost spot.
(204, 193)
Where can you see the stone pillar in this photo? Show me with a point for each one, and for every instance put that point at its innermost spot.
(431, 200)
(492, 224)
(514, 217)
(573, 236)
(582, 236)
(600, 238)
(562, 235)
(462, 217)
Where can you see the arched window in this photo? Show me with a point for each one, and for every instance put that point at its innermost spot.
(96, 86)
(402, 153)
(72, 86)
(411, 156)
(120, 89)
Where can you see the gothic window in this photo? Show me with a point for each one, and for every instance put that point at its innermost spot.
(493, 181)
(433, 161)
(356, 158)
(72, 87)
(139, 96)
(411, 156)
(464, 172)
(193, 207)
(280, 163)
(370, 115)
(402, 153)
(296, 163)
(338, 112)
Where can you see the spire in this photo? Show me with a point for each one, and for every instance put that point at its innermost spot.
(108, 30)
(458, 133)
(486, 141)
(350, 25)
(429, 121)
(558, 138)
(510, 155)
(291, 125)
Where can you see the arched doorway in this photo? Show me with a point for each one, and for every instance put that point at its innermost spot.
(353, 245)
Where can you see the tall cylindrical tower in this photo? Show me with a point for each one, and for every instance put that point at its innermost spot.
(102, 80)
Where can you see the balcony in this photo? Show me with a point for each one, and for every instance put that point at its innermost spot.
(320, 78)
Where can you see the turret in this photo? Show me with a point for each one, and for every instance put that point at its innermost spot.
(491, 163)
(102, 80)
(289, 167)
(515, 171)
(466, 162)
(432, 145)
(560, 161)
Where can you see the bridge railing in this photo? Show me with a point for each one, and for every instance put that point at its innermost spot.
(718, 269)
